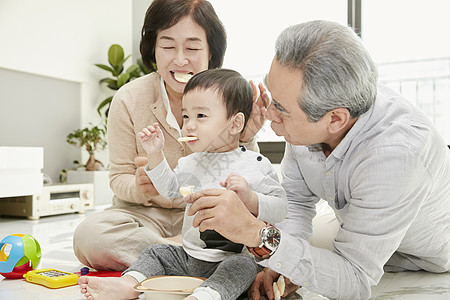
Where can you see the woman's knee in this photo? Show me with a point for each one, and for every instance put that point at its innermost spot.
(88, 231)
(94, 237)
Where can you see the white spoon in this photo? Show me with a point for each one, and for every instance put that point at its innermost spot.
(187, 138)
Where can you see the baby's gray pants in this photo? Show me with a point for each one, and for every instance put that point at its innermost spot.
(230, 277)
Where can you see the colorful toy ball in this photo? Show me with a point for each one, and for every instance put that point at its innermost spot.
(24, 255)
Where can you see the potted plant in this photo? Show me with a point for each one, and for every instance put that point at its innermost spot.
(116, 59)
(94, 137)
(91, 139)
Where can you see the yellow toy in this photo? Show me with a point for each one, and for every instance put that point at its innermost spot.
(51, 278)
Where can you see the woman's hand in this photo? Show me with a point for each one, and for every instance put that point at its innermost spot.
(223, 211)
(263, 285)
(143, 183)
(258, 114)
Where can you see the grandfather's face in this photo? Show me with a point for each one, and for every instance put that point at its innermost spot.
(287, 119)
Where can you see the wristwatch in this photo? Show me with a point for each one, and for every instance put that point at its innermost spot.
(270, 237)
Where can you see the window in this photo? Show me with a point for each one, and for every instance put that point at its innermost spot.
(409, 41)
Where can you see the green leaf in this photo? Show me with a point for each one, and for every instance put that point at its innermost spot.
(135, 74)
(132, 68)
(106, 80)
(134, 71)
(115, 55)
(144, 69)
(113, 86)
(126, 59)
(104, 67)
(105, 102)
(118, 69)
(111, 83)
(124, 78)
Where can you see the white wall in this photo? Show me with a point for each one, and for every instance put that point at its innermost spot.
(139, 9)
(254, 25)
(63, 39)
(30, 115)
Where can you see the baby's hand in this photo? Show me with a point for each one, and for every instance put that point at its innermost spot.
(151, 138)
(239, 185)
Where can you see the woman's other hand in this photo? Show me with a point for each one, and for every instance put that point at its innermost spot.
(143, 183)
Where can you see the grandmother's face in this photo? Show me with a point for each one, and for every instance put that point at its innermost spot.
(181, 51)
(287, 119)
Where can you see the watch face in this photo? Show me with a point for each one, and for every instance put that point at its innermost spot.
(272, 239)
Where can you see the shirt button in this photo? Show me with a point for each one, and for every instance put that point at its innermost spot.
(328, 173)
(278, 265)
(305, 284)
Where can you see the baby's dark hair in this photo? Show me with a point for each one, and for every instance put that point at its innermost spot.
(236, 92)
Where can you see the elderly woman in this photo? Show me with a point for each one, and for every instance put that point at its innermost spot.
(179, 38)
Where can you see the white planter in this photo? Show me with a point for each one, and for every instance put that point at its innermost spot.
(102, 192)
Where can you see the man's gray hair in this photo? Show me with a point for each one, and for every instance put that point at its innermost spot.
(337, 70)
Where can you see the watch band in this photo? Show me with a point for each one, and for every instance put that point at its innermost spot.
(260, 252)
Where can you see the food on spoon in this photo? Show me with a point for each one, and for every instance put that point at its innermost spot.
(187, 138)
(276, 292)
(281, 284)
(278, 288)
(186, 190)
(182, 77)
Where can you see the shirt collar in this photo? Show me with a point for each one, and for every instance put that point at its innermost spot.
(342, 148)
(170, 118)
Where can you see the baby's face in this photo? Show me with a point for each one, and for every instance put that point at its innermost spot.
(205, 117)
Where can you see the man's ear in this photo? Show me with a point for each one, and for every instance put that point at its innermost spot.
(237, 124)
(339, 118)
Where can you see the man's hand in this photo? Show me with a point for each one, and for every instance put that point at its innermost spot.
(143, 183)
(223, 211)
(263, 285)
(258, 114)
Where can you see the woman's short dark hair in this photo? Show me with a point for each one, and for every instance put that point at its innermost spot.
(163, 14)
(235, 90)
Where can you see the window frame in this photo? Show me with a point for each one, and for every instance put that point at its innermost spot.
(274, 150)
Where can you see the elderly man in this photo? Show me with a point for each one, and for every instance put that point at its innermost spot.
(376, 159)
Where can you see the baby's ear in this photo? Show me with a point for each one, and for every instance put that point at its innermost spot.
(237, 125)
